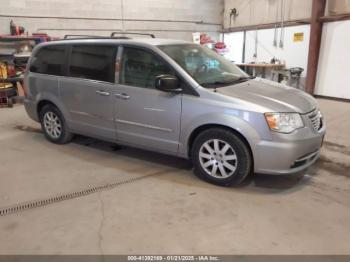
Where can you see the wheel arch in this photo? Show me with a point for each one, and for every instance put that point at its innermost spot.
(45, 99)
(204, 127)
(41, 105)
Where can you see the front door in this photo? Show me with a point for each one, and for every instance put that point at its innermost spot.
(145, 116)
(88, 90)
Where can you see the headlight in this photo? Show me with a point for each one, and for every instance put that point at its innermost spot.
(284, 122)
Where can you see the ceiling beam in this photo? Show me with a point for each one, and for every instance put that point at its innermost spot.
(266, 26)
(335, 18)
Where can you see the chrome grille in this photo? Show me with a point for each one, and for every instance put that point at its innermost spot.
(316, 119)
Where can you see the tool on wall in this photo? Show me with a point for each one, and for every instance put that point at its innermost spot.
(233, 14)
(16, 30)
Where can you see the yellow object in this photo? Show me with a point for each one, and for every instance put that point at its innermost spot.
(5, 85)
(298, 37)
(3, 71)
(3, 76)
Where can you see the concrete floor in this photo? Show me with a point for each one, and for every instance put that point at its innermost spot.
(171, 212)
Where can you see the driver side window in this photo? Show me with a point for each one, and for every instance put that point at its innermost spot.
(140, 68)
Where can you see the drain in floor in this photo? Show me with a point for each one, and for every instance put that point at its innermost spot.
(71, 195)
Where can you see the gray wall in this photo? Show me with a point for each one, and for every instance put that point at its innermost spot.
(103, 16)
(254, 12)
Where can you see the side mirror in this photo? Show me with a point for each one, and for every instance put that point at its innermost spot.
(168, 83)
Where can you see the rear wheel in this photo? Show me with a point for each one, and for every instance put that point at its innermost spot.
(54, 125)
(221, 157)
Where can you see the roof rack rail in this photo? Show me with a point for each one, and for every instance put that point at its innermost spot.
(120, 37)
(113, 34)
(83, 36)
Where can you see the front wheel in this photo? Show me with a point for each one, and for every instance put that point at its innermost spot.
(54, 125)
(221, 157)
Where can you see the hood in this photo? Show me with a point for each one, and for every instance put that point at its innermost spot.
(271, 95)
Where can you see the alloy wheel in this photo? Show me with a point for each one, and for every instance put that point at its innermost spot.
(218, 158)
(52, 124)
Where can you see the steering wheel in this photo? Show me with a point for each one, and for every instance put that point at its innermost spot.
(201, 69)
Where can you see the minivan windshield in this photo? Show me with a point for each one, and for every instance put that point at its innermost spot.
(205, 66)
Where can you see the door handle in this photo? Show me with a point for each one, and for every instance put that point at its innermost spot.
(122, 96)
(102, 93)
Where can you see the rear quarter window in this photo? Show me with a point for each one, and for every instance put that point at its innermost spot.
(49, 60)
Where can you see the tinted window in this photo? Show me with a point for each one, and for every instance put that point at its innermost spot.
(49, 60)
(94, 62)
(140, 68)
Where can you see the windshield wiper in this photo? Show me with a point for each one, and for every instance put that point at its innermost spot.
(231, 82)
(240, 80)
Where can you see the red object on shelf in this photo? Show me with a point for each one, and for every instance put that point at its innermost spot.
(15, 29)
(38, 38)
(205, 39)
(220, 45)
(42, 36)
(11, 70)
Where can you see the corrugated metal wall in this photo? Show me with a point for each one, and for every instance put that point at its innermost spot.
(100, 16)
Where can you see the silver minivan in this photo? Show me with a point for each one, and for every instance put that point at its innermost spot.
(173, 97)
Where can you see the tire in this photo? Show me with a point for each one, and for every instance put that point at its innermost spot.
(54, 125)
(225, 150)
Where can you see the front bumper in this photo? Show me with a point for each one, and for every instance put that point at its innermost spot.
(288, 153)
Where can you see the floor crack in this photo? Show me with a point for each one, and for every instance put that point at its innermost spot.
(100, 237)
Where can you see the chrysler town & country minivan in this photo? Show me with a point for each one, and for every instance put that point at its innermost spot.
(173, 97)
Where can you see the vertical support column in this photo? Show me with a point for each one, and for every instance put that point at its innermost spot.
(318, 9)
(243, 49)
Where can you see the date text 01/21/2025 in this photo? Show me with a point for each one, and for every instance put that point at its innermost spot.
(173, 258)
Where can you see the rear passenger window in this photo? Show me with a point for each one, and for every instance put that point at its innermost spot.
(94, 62)
(49, 60)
